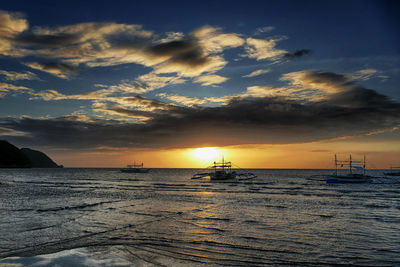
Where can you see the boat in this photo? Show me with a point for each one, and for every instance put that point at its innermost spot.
(223, 171)
(350, 177)
(135, 168)
(394, 171)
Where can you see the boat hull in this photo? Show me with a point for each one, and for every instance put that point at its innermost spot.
(135, 170)
(351, 179)
(222, 176)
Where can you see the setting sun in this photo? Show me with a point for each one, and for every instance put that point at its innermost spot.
(206, 154)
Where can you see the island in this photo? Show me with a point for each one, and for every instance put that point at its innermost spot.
(13, 157)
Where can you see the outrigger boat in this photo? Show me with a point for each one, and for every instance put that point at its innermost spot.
(135, 168)
(223, 171)
(394, 171)
(350, 177)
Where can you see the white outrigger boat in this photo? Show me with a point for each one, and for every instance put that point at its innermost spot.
(350, 177)
(223, 171)
(135, 168)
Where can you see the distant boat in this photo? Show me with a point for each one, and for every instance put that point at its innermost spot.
(394, 171)
(350, 177)
(223, 171)
(135, 168)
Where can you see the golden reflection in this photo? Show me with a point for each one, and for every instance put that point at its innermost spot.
(204, 193)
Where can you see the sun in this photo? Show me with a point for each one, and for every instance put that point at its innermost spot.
(206, 154)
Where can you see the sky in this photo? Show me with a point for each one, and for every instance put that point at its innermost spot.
(266, 84)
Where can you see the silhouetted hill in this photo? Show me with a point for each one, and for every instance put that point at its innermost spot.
(12, 157)
(38, 159)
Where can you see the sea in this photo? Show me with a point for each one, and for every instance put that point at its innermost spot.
(102, 217)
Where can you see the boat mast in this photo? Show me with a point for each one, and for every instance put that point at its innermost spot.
(335, 165)
(350, 165)
(364, 165)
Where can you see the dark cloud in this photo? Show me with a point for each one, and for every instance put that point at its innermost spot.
(353, 111)
(150, 103)
(297, 54)
(322, 77)
(63, 67)
(187, 52)
(173, 47)
(50, 40)
(348, 93)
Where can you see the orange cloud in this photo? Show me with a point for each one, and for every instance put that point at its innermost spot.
(211, 79)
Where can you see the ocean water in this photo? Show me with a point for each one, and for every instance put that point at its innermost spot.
(102, 217)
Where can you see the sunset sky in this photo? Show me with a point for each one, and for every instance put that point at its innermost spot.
(267, 84)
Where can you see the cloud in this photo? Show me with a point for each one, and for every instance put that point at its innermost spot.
(210, 64)
(348, 110)
(99, 95)
(16, 76)
(129, 106)
(212, 79)
(143, 84)
(11, 25)
(263, 49)
(297, 54)
(51, 40)
(63, 40)
(172, 36)
(101, 44)
(63, 50)
(266, 91)
(214, 41)
(142, 103)
(365, 74)
(265, 29)
(61, 70)
(193, 57)
(153, 81)
(139, 115)
(339, 90)
(6, 132)
(183, 51)
(184, 100)
(48, 95)
(7, 88)
(257, 72)
(188, 57)
(326, 82)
